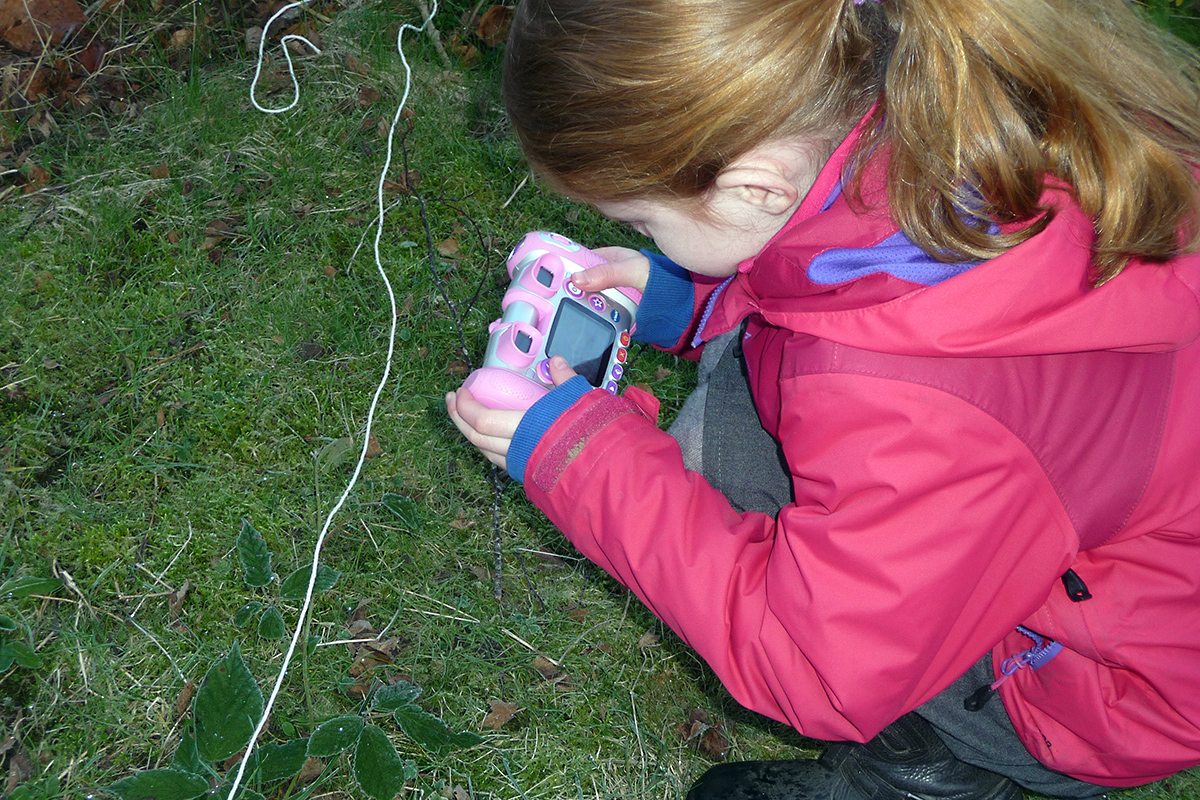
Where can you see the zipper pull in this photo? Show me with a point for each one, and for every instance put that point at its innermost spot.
(1077, 590)
(979, 698)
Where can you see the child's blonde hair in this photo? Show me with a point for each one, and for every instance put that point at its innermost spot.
(977, 103)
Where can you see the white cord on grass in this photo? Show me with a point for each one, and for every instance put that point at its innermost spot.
(380, 211)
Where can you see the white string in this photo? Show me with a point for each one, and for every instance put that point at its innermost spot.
(380, 212)
(291, 37)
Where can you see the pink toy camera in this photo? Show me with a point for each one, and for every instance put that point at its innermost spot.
(545, 315)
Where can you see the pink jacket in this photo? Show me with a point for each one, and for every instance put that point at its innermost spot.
(951, 448)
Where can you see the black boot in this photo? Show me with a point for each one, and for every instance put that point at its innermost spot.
(906, 761)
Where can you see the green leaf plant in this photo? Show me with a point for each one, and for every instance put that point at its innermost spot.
(224, 712)
(229, 703)
(15, 647)
(255, 558)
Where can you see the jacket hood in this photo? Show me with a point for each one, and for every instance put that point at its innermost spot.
(1034, 299)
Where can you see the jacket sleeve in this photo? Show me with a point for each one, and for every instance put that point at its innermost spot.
(922, 532)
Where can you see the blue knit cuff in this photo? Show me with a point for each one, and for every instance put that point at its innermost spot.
(668, 303)
(538, 419)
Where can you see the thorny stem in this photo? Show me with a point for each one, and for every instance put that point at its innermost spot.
(498, 483)
(434, 36)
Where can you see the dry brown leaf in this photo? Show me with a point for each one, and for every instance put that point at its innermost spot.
(500, 714)
(714, 744)
(36, 177)
(462, 521)
(359, 628)
(19, 770)
(160, 171)
(457, 368)
(373, 447)
(175, 599)
(29, 25)
(706, 733)
(649, 639)
(410, 180)
(493, 26)
(448, 248)
(312, 769)
(660, 373)
(184, 701)
(354, 65)
(181, 39)
(368, 96)
(545, 667)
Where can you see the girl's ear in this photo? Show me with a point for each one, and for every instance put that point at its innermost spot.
(773, 177)
(761, 186)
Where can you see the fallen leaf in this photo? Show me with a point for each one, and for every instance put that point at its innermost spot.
(649, 639)
(215, 255)
(160, 171)
(500, 714)
(660, 373)
(714, 744)
(457, 368)
(175, 599)
(448, 248)
(373, 448)
(28, 25)
(354, 65)
(706, 733)
(493, 26)
(184, 700)
(368, 96)
(409, 181)
(36, 177)
(311, 351)
(181, 39)
(330, 272)
(462, 521)
(545, 667)
(92, 56)
(312, 769)
(577, 613)
(19, 770)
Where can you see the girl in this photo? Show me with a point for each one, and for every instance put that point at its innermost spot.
(937, 499)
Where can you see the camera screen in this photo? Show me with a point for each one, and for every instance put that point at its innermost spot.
(583, 339)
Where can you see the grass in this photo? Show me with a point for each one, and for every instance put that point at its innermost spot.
(188, 343)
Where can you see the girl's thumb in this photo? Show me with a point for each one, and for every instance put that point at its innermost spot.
(560, 370)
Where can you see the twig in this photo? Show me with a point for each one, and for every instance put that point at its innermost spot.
(433, 34)
(512, 196)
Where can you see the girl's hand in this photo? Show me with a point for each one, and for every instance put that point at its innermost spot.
(489, 429)
(625, 267)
